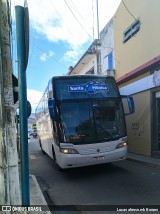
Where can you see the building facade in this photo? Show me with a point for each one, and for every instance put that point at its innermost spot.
(137, 65)
(107, 50)
(130, 51)
(87, 63)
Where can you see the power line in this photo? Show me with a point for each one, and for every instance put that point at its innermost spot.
(52, 57)
(69, 31)
(34, 36)
(128, 10)
(77, 20)
(35, 33)
(78, 13)
(12, 40)
(75, 8)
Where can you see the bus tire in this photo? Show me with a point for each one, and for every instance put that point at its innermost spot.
(40, 144)
(55, 162)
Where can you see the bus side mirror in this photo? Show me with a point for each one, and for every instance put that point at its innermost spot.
(130, 104)
(51, 105)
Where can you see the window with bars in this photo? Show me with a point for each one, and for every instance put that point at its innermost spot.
(131, 31)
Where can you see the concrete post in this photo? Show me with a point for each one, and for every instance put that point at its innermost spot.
(98, 45)
(98, 54)
(9, 174)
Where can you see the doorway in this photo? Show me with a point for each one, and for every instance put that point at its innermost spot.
(158, 119)
(156, 125)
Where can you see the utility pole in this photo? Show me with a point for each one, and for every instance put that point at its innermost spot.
(98, 55)
(98, 45)
(9, 174)
(22, 31)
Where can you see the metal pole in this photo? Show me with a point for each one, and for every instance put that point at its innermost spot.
(21, 52)
(98, 54)
(97, 20)
(98, 45)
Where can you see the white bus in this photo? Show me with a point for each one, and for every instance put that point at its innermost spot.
(81, 121)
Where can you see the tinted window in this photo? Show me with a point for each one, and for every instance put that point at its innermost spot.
(91, 122)
(77, 122)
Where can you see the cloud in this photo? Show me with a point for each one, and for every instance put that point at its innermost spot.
(33, 97)
(72, 55)
(45, 56)
(50, 53)
(55, 21)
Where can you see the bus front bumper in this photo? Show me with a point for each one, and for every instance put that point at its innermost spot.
(77, 160)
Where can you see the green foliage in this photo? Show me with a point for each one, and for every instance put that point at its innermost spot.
(34, 125)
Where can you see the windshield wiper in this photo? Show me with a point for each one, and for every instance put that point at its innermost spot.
(112, 134)
(104, 130)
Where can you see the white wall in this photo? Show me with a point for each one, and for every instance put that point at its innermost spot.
(107, 45)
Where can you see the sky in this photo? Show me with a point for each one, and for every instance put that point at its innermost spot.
(60, 33)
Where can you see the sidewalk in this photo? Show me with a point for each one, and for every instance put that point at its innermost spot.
(143, 159)
(36, 195)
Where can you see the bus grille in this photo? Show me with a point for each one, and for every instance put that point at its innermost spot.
(95, 150)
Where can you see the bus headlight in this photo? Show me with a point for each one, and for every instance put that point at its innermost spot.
(120, 145)
(68, 151)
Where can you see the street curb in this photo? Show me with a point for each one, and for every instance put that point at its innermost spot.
(142, 162)
(40, 194)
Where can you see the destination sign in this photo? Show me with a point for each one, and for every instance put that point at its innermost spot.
(91, 87)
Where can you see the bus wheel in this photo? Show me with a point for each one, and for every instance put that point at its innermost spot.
(55, 161)
(40, 144)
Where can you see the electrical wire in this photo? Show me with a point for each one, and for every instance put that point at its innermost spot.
(70, 2)
(76, 10)
(13, 43)
(35, 33)
(128, 10)
(34, 36)
(52, 57)
(78, 20)
(69, 31)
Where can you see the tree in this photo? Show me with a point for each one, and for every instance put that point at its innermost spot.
(34, 126)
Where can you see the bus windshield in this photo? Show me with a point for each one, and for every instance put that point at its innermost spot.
(91, 122)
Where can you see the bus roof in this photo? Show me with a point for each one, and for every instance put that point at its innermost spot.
(81, 75)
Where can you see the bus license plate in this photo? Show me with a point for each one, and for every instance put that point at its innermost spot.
(99, 158)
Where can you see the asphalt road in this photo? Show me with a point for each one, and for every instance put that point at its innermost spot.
(120, 183)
